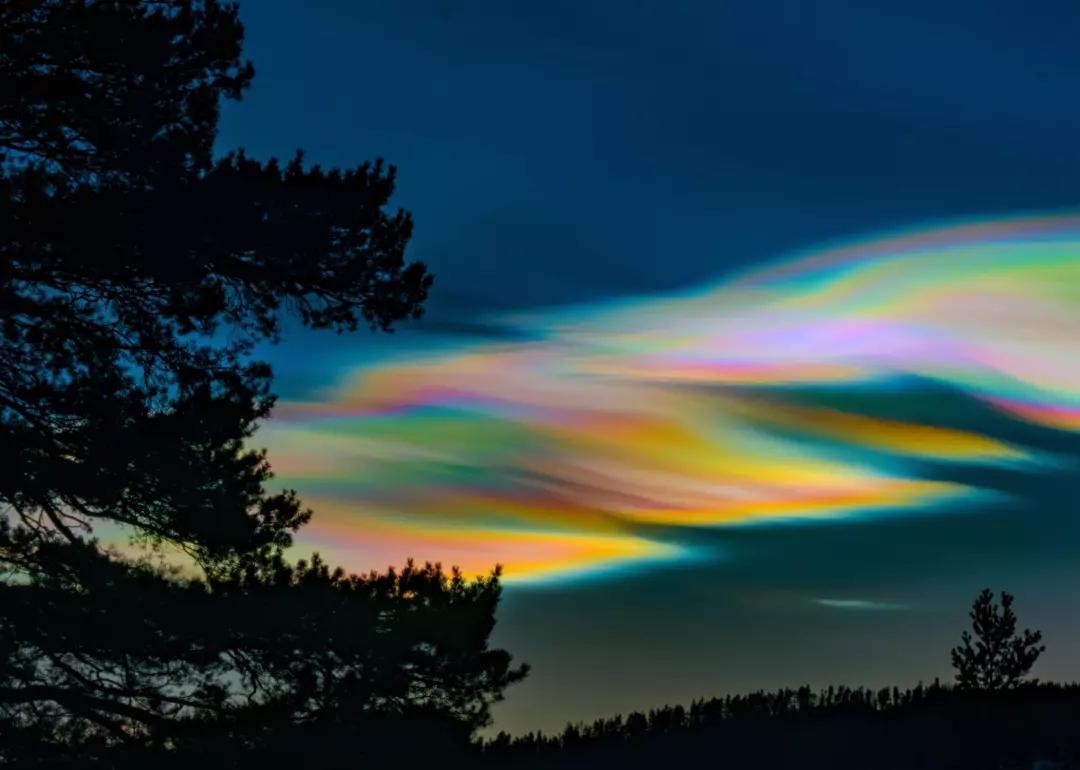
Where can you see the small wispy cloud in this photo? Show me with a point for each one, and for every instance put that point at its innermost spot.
(859, 604)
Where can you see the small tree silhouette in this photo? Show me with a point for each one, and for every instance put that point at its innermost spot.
(996, 658)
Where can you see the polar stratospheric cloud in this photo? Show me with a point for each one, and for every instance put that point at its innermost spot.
(605, 437)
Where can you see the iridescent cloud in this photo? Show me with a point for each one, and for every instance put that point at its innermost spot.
(613, 432)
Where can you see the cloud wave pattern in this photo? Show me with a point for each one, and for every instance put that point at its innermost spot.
(593, 439)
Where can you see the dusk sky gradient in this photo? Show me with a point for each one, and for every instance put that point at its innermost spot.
(752, 353)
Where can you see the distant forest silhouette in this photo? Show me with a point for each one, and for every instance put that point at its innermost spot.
(138, 274)
(994, 716)
(934, 726)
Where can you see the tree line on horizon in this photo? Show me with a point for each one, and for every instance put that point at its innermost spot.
(138, 272)
(784, 703)
(1035, 725)
(992, 665)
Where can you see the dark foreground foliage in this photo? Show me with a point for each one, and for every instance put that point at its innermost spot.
(137, 274)
(268, 659)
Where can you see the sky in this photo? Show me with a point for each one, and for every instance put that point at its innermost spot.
(752, 349)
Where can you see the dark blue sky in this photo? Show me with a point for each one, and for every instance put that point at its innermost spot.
(561, 152)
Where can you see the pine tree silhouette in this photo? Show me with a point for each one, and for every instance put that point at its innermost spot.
(996, 657)
(137, 273)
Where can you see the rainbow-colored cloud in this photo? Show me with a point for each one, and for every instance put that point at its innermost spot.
(608, 434)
